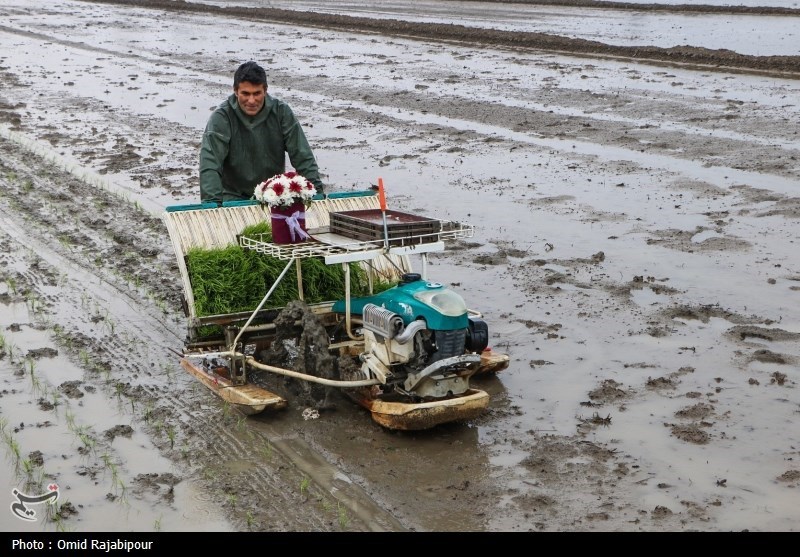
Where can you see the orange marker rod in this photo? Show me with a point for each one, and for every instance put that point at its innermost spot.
(381, 194)
(382, 199)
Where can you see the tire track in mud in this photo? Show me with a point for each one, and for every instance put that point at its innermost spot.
(255, 471)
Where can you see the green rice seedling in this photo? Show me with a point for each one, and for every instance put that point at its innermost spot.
(78, 430)
(12, 285)
(118, 485)
(114, 472)
(166, 369)
(106, 458)
(28, 469)
(157, 524)
(266, 450)
(209, 474)
(65, 241)
(54, 513)
(127, 339)
(36, 480)
(171, 436)
(326, 505)
(119, 388)
(70, 419)
(241, 422)
(84, 357)
(344, 520)
(55, 397)
(122, 490)
(304, 483)
(29, 366)
(185, 452)
(88, 441)
(36, 384)
(158, 426)
(115, 479)
(34, 302)
(250, 519)
(226, 280)
(13, 446)
(232, 499)
(51, 510)
(148, 412)
(67, 341)
(233, 279)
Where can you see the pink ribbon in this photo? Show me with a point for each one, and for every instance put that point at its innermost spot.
(293, 224)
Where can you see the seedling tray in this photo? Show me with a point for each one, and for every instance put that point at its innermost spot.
(403, 228)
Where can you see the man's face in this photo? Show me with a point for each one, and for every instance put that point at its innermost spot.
(250, 97)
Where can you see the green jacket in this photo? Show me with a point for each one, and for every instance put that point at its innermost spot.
(239, 151)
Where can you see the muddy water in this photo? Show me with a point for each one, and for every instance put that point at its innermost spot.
(59, 428)
(760, 35)
(633, 252)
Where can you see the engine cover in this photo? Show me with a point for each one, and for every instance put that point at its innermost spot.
(441, 308)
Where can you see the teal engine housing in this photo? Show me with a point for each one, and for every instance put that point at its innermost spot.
(449, 329)
(412, 299)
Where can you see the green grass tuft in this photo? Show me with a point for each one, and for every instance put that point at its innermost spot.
(233, 279)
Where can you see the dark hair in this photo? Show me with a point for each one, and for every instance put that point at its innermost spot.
(251, 72)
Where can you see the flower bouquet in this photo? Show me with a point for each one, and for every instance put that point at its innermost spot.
(287, 196)
(284, 190)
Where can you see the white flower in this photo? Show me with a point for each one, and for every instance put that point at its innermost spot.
(284, 190)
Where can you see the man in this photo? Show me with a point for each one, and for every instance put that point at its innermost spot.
(246, 140)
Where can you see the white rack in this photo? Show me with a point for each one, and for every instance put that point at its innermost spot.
(334, 248)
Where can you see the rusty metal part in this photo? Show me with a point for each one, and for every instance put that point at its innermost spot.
(492, 362)
(423, 415)
(249, 399)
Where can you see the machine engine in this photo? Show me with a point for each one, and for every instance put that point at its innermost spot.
(420, 339)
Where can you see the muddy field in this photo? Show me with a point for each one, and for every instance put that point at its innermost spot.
(635, 253)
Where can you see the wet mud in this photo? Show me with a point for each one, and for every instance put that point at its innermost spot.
(683, 55)
(634, 254)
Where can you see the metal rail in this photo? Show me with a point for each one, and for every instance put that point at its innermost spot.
(339, 249)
